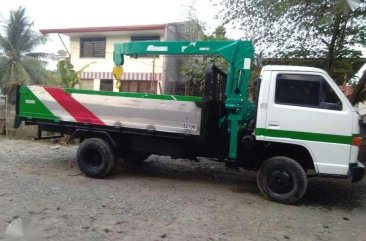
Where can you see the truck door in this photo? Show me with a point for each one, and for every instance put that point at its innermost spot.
(308, 108)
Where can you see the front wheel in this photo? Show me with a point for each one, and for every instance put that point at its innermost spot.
(282, 179)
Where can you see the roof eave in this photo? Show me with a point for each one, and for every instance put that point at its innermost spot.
(104, 29)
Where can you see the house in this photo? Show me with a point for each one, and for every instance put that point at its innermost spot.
(147, 74)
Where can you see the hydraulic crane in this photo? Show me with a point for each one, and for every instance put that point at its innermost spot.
(239, 56)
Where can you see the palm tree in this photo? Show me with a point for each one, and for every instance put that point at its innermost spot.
(19, 63)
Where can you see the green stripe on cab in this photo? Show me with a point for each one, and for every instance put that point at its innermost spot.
(306, 136)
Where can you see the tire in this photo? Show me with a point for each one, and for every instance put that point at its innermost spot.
(96, 158)
(281, 179)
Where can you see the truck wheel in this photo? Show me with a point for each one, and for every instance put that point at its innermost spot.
(95, 158)
(282, 179)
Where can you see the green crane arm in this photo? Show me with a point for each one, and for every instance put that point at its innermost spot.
(238, 54)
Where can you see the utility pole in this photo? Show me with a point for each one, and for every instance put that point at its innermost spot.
(153, 74)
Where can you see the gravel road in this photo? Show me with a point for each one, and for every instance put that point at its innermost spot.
(165, 199)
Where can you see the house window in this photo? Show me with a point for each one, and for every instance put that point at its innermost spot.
(106, 85)
(92, 47)
(306, 90)
(145, 38)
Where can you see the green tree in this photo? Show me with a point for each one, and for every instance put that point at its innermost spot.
(218, 34)
(189, 81)
(18, 62)
(69, 77)
(193, 28)
(302, 28)
(194, 69)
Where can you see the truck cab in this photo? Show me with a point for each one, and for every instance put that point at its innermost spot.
(304, 106)
(302, 114)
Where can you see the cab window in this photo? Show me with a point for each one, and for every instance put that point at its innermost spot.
(306, 90)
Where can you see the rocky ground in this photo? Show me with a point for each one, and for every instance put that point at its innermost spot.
(165, 199)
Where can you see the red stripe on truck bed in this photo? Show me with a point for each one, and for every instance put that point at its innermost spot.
(75, 109)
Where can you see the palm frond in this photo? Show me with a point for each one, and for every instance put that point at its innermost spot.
(18, 41)
(4, 78)
(40, 56)
(33, 42)
(33, 68)
(84, 68)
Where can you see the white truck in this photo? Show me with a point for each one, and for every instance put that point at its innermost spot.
(298, 123)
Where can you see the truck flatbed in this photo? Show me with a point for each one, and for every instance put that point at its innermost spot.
(163, 113)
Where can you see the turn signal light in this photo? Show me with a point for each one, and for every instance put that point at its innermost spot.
(356, 141)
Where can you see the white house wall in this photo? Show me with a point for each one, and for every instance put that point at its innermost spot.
(144, 65)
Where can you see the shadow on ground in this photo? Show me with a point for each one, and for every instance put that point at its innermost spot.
(326, 193)
(187, 170)
(333, 193)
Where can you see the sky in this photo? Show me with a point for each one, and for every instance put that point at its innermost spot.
(82, 13)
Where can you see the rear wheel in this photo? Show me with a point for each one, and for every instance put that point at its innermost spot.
(282, 179)
(96, 158)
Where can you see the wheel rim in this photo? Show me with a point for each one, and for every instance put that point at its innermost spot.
(93, 159)
(280, 181)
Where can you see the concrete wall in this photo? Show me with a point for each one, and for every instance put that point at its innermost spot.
(173, 80)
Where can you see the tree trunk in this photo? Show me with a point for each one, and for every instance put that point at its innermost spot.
(360, 86)
(331, 55)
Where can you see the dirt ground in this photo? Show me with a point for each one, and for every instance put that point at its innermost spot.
(165, 199)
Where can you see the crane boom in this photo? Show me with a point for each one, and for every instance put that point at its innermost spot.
(238, 54)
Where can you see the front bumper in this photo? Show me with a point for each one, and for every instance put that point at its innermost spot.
(357, 170)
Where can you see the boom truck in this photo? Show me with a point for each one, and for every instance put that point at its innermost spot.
(298, 123)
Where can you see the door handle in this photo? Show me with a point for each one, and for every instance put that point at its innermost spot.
(273, 124)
